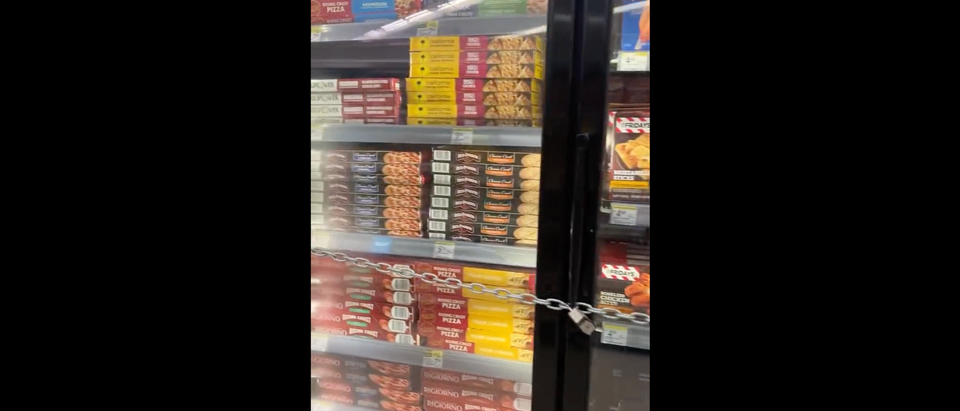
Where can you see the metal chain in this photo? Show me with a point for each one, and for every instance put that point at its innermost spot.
(501, 293)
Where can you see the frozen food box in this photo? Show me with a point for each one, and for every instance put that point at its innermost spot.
(487, 98)
(330, 12)
(467, 155)
(629, 158)
(372, 168)
(371, 199)
(476, 70)
(368, 395)
(331, 210)
(369, 321)
(491, 8)
(470, 204)
(515, 183)
(355, 84)
(458, 43)
(477, 57)
(471, 122)
(477, 398)
(373, 188)
(378, 311)
(395, 224)
(490, 230)
(430, 292)
(433, 305)
(469, 274)
(375, 280)
(335, 99)
(506, 112)
(485, 193)
(504, 326)
(523, 85)
(361, 294)
(624, 287)
(486, 170)
(367, 156)
(362, 230)
(630, 29)
(460, 379)
(346, 330)
(348, 177)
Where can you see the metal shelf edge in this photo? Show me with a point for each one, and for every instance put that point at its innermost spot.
(383, 133)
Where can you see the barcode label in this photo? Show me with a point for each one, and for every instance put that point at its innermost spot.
(402, 313)
(316, 208)
(315, 176)
(440, 202)
(405, 339)
(439, 214)
(441, 179)
(315, 155)
(441, 191)
(400, 284)
(316, 218)
(441, 155)
(316, 186)
(441, 168)
(402, 298)
(316, 197)
(522, 404)
(314, 166)
(438, 236)
(523, 388)
(438, 226)
(397, 326)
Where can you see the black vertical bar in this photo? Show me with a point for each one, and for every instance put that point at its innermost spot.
(592, 59)
(555, 198)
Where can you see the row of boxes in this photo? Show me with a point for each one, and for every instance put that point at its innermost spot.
(350, 11)
(363, 100)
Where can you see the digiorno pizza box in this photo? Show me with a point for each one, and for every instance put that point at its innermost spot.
(458, 43)
(487, 98)
(442, 110)
(476, 70)
(478, 56)
(368, 395)
(461, 379)
(480, 399)
(525, 85)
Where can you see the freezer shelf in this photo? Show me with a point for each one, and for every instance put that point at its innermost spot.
(384, 133)
(414, 355)
(403, 28)
(625, 334)
(514, 256)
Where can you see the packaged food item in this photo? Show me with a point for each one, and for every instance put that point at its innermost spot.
(371, 168)
(368, 321)
(477, 57)
(373, 188)
(331, 210)
(490, 230)
(461, 121)
(330, 11)
(479, 399)
(347, 330)
(378, 311)
(507, 112)
(369, 110)
(485, 170)
(348, 177)
(484, 193)
(526, 85)
(431, 306)
(629, 163)
(375, 281)
(503, 157)
(459, 379)
(327, 99)
(502, 326)
(368, 395)
(368, 156)
(635, 29)
(331, 111)
(515, 183)
(355, 84)
(476, 70)
(379, 10)
(395, 224)
(491, 8)
(624, 287)
(373, 199)
(455, 43)
(429, 292)
(473, 217)
(487, 98)
(470, 274)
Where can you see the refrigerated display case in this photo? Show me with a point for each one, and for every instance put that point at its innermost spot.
(456, 206)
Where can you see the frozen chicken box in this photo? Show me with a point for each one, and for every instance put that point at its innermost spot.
(355, 85)
(464, 43)
(487, 98)
(624, 287)
(471, 84)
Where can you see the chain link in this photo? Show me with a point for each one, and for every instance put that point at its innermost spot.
(501, 293)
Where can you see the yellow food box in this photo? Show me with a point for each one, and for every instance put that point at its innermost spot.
(474, 84)
(495, 277)
(499, 340)
(483, 56)
(507, 353)
(476, 70)
(456, 43)
(499, 309)
(468, 293)
(473, 97)
(500, 325)
(629, 184)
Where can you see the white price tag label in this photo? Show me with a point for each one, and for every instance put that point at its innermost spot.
(314, 34)
(623, 214)
(319, 240)
(430, 29)
(318, 343)
(316, 131)
(633, 61)
(462, 136)
(433, 359)
(443, 249)
(614, 334)
(320, 406)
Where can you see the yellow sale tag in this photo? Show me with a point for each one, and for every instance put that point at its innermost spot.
(314, 34)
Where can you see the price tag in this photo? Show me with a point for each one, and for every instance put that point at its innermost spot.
(433, 359)
(633, 61)
(443, 249)
(431, 28)
(614, 334)
(320, 406)
(318, 343)
(321, 240)
(623, 214)
(381, 244)
(462, 136)
(316, 131)
(314, 34)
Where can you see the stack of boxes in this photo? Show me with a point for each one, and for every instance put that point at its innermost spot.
(363, 101)
(475, 81)
(350, 11)
(473, 322)
(355, 301)
(485, 195)
(450, 390)
(361, 382)
(370, 191)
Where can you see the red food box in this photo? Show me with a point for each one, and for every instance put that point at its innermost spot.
(330, 12)
(325, 264)
(487, 399)
(385, 120)
(346, 330)
(375, 281)
(459, 379)
(434, 403)
(368, 321)
(362, 295)
(445, 343)
(369, 84)
(371, 110)
(370, 395)
(377, 310)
